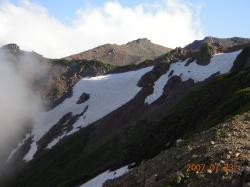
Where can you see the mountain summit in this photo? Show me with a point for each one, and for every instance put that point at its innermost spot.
(133, 52)
(219, 43)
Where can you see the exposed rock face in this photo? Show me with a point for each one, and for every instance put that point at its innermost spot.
(84, 97)
(133, 132)
(12, 48)
(13, 53)
(131, 53)
(219, 43)
(59, 76)
(64, 74)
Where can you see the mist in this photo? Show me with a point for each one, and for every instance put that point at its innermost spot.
(19, 104)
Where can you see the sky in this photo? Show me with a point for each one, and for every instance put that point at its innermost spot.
(57, 28)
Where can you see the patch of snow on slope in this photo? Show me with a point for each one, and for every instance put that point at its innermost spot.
(102, 178)
(18, 146)
(56, 140)
(33, 149)
(221, 63)
(107, 93)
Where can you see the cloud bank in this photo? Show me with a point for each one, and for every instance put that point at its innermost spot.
(170, 23)
(19, 105)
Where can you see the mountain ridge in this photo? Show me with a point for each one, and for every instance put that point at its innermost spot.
(187, 97)
(219, 43)
(133, 52)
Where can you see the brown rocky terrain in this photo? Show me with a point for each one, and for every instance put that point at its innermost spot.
(55, 83)
(61, 74)
(144, 134)
(131, 53)
(220, 44)
(223, 149)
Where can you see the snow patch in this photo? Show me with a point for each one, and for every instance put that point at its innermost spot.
(219, 63)
(107, 93)
(55, 141)
(18, 146)
(33, 149)
(99, 180)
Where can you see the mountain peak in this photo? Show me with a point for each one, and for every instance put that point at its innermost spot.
(140, 40)
(12, 47)
(133, 52)
(219, 43)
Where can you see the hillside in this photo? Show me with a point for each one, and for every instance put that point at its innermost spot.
(219, 43)
(58, 76)
(62, 74)
(120, 55)
(115, 118)
(216, 157)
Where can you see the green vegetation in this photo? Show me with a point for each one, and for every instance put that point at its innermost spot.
(74, 160)
(121, 69)
(206, 51)
(167, 185)
(220, 99)
(173, 55)
(84, 64)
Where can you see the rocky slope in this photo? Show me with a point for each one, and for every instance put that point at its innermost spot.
(13, 53)
(58, 76)
(219, 156)
(220, 44)
(131, 53)
(61, 74)
(173, 97)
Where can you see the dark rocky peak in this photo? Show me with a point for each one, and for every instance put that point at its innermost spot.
(139, 41)
(11, 48)
(220, 44)
(13, 52)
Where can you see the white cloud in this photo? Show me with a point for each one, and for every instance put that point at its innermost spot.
(19, 104)
(171, 23)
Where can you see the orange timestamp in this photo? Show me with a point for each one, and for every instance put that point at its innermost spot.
(211, 168)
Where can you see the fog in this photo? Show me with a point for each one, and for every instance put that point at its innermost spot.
(19, 104)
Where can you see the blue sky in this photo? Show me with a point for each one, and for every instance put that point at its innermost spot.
(225, 18)
(221, 18)
(72, 26)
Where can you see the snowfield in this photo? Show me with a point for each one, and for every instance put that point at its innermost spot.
(219, 63)
(107, 93)
(99, 180)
